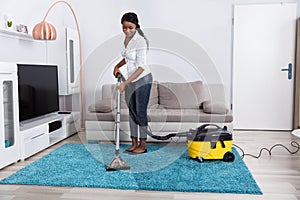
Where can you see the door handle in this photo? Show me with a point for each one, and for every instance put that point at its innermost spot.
(289, 70)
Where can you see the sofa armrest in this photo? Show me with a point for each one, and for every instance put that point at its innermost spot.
(102, 106)
(214, 107)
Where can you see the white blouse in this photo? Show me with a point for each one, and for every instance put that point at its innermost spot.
(135, 55)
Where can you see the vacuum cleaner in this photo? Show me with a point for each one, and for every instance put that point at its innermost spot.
(207, 142)
(214, 143)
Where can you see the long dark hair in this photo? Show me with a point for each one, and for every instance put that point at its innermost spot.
(132, 17)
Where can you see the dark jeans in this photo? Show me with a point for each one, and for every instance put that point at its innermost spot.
(137, 98)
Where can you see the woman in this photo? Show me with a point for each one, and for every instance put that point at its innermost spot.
(138, 84)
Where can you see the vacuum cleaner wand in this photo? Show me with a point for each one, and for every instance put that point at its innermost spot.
(118, 163)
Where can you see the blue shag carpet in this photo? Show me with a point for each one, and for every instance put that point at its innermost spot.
(163, 168)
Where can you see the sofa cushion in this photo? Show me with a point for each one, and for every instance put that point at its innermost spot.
(181, 95)
(153, 99)
(186, 115)
(214, 107)
(103, 106)
(109, 92)
(166, 115)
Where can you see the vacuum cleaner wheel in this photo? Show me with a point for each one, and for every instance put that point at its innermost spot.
(228, 157)
(200, 160)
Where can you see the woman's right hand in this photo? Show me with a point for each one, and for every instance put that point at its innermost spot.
(120, 64)
(116, 71)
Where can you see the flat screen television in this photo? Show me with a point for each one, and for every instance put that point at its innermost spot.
(38, 90)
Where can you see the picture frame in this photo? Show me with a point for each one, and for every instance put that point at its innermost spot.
(23, 29)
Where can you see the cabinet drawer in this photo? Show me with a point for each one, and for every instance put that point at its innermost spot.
(34, 132)
(36, 144)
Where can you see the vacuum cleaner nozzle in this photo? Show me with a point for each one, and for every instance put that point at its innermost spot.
(117, 164)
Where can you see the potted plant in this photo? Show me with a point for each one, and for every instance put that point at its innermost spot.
(9, 22)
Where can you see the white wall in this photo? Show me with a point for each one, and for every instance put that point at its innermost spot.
(30, 13)
(206, 24)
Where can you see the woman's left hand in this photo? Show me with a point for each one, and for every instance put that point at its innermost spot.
(121, 87)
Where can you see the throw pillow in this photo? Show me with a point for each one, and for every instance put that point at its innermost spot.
(103, 106)
(214, 107)
(181, 95)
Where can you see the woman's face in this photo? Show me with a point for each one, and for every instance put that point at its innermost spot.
(128, 28)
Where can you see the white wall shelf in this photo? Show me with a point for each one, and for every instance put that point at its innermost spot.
(15, 34)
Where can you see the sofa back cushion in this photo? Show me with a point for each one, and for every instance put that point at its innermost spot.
(102, 106)
(153, 99)
(109, 91)
(181, 95)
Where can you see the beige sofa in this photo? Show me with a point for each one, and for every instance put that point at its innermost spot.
(173, 107)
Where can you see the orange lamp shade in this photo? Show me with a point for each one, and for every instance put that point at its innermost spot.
(44, 31)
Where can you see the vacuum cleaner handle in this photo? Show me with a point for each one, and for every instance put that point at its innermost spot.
(120, 77)
(202, 127)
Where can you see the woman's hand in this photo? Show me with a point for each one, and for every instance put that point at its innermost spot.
(116, 71)
(122, 86)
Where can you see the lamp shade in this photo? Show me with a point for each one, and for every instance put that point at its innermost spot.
(44, 31)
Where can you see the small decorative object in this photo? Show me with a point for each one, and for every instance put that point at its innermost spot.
(22, 28)
(7, 143)
(8, 22)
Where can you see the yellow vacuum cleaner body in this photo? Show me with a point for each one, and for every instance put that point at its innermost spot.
(210, 142)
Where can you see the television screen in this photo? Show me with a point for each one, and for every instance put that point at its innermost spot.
(38, 90)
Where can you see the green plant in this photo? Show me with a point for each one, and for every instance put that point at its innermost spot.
(9, 23)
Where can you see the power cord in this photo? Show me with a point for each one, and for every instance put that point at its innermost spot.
(293, 144)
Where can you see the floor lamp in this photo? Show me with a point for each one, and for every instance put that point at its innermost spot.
(46, 31)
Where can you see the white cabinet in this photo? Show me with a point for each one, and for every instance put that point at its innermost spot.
(73, 61)
(9, 113)
(64, 52)
(39, 133)
(21, 140)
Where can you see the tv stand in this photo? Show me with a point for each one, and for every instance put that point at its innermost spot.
(39, 133)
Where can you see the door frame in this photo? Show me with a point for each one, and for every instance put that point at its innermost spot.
(296, 123)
